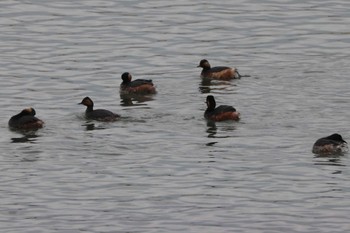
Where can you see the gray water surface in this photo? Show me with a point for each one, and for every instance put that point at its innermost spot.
(162, 167)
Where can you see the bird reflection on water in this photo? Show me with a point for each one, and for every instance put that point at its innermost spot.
(27, 137)
(207, 86)
(134, 100)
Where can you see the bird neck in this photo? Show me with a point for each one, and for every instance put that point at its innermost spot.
(89, 108)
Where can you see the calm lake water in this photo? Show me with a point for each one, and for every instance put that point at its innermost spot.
(162, 168)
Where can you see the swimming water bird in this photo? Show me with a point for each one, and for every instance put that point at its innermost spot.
(25, 120)
(332, 144)
(97, 114)
(138, 86)
(220, 113)
(218, 72)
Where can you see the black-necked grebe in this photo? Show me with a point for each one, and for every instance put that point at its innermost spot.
(332, 144)
(220, 113)
(98, 114)
(138, 86)
(218, 72)
(26, 120)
